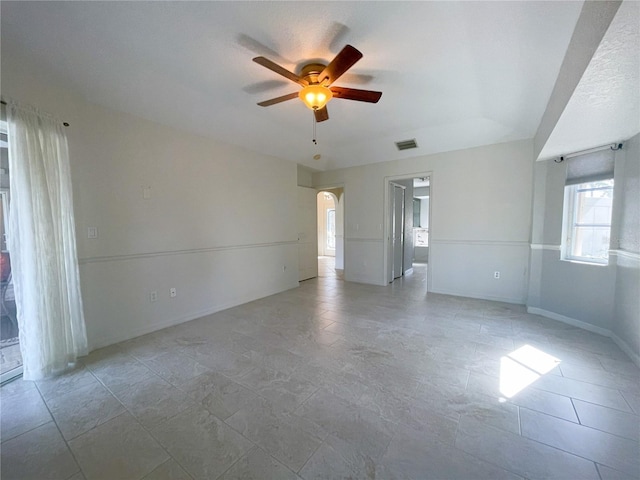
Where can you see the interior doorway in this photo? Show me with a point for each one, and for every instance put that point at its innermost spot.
(397, 210)
(330, 218)
(407, 225)
(326, 224)
(421, 219)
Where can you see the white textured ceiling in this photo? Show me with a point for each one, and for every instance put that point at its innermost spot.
(453, 74)
(605, 106)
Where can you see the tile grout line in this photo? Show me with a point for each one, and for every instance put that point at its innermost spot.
(598, 470)
(540, 443)
(232, 465)
(575, 410)
(127, 410)
(66, 442)
(477, 457)
(164, 463)
(572, 453)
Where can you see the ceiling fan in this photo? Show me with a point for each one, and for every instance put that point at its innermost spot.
(316, 80)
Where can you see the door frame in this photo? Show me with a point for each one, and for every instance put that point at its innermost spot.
(331, 186)
(392, 210)
(323, 224)
(388, 228)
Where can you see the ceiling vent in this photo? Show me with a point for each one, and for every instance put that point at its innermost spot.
(407, 144)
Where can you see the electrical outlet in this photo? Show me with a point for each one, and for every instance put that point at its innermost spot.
(496, 274)
(153, 296)
(92, 232)
(172, 292)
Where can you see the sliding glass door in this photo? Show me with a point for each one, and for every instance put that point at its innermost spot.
(10, 357)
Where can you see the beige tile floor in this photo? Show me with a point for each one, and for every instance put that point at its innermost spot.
(336, 380)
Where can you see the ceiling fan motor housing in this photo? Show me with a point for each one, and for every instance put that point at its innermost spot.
(311, 71)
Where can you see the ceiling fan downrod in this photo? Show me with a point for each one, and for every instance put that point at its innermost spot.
(315, 141)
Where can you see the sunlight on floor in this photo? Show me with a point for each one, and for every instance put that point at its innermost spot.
(522, 367)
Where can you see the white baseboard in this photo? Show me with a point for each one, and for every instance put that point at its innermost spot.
(569, 321)
(624, 346)
(591, 328)
(517, 301)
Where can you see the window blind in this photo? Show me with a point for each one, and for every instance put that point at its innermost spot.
(590, 167)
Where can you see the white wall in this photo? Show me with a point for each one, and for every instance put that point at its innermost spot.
(480, 218)
(596, 297)
(219, 226)
(305, 176)
(626, 316)
(424, 212)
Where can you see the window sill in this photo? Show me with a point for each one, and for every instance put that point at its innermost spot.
(585, 262)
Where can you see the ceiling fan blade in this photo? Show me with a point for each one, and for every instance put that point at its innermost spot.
(354, 94)
(283, 98)
(274, 67)
(321, 114)
(343, 62)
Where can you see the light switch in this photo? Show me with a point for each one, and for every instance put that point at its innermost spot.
(92, 232)
(146, 192)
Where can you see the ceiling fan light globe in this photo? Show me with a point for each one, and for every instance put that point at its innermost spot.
(315, 97)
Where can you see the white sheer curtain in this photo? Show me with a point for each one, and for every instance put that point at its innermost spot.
(42, 244)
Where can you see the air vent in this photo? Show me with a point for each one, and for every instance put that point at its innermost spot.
(407, 144)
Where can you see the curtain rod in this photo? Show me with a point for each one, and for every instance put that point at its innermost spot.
(613, 146)
(63, 123)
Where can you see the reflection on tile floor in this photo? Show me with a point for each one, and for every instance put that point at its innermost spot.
(337, 380)
(327, 268)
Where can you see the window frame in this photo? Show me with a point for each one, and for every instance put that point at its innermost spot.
(331, 232)
(570, 222)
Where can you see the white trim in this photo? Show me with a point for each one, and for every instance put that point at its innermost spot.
(542, 246)
(589, 327)
(10, 375)
(134, 256)
(569, 321)
(625, 254)
(479, 242)
(516, 301)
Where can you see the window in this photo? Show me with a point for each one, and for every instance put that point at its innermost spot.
(416, 212)
(587, 224)
(331, 228)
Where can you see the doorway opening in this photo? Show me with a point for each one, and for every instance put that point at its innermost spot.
(407, 226)
(330, 215)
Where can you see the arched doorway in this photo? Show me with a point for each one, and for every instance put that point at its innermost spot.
(330, 204)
